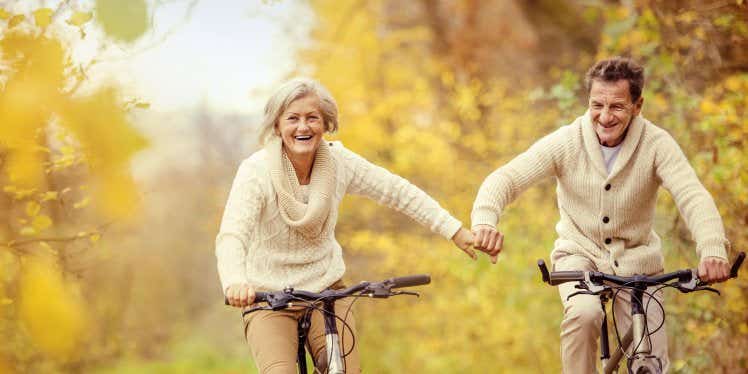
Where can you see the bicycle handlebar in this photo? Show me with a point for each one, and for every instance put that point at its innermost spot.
(683, 276)
(277, 299)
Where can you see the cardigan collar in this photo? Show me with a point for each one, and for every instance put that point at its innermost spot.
(629, 145)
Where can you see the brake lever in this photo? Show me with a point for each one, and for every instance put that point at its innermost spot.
(409, 293)
(581, 293)
(708, 289)
(256, 308)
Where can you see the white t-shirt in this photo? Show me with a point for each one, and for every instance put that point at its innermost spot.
(609, 155)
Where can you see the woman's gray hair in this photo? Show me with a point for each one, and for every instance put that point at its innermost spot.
(291, 91)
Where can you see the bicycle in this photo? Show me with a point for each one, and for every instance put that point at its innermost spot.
(287, 298)
(607, 287)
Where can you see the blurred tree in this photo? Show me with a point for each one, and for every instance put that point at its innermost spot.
(61, 151)
(444, 92)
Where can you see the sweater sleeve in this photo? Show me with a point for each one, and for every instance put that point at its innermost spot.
(694, 202)
(507, 182)
(395, 192)
(245, 202)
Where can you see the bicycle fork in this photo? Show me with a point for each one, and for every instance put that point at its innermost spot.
(638, 334)
(333, 351)
(334, 354)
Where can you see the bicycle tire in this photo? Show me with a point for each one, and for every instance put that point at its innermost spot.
(644, 365)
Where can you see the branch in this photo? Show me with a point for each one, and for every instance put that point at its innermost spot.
(15, 244)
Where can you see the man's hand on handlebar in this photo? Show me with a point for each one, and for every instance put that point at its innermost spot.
(714, 270)
(240, 295)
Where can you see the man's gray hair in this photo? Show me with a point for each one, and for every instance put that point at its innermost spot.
(615, 69)
(291, 91)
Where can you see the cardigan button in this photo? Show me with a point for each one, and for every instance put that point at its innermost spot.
(608, 240)
(615, 263)
(606, 219)
(607, 187)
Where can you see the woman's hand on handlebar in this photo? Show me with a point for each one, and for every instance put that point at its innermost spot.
(714, 269)
(240, 295)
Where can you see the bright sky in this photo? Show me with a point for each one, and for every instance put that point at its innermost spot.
(218, 55)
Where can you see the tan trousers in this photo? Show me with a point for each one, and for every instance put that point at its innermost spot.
(273, 338)
(583, 316)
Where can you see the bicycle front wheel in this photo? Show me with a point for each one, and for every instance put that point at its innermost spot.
(640, 364)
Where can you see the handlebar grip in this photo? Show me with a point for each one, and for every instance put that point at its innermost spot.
(410, 280)
(544, 271)
(736, 265)
(259, 297)
(558, 277)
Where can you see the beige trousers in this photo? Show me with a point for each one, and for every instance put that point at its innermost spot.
(273, 338)
(583, 316)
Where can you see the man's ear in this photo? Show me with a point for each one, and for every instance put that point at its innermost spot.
(638, 105)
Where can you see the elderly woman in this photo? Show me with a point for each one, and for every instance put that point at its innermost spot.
(278, 228)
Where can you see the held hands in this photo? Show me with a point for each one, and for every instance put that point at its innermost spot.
(463, 239)
(487, 239)
(714, 269)
(240, 295)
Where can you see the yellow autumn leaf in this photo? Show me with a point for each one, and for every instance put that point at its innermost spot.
(80, 18)
(41, 222)
(83, 203)
(27, 231)
(4, 14)
(43, 17)
(94, 237)
(49, 195)
(32, 208)
(15, 20)
(53, 314)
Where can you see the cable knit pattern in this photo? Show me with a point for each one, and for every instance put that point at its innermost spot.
(309, 218)
(255, 245)
(608, 217)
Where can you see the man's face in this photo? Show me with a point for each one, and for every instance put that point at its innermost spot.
(611, 110)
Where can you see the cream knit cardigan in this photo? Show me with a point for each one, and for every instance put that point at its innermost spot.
(255, 246)
(608, 217)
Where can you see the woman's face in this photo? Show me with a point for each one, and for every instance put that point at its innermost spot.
(301, 127)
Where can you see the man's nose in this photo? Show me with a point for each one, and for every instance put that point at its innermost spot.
(605, 115)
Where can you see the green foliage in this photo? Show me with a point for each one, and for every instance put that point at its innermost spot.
(123, 20)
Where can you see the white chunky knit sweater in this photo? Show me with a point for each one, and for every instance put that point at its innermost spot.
(256, 246)
(608, 217)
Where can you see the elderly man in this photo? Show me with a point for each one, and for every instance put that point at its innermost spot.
(609, 164)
